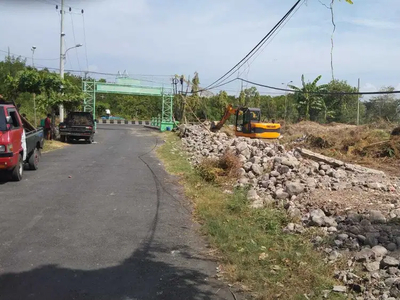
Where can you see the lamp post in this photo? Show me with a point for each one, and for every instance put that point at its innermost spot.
(34, 95)
(286, 94)
(62, 59)
(33, 53)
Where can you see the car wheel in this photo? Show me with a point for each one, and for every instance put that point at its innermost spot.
(17, 172)
(62, 138)
(34, 160)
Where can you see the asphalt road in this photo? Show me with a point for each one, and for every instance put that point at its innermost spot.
(102, 221)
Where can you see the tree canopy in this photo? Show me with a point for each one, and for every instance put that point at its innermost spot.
(311, 101)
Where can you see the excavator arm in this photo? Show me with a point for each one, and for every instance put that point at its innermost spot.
(228, 112)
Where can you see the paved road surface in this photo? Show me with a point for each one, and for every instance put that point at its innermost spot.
(101, 221)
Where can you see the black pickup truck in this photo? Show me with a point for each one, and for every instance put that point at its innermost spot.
(77, 126)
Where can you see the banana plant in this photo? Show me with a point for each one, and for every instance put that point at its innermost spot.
(310, 95)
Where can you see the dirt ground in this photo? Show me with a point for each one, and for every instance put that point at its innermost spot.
(338, 202)
(367, 145)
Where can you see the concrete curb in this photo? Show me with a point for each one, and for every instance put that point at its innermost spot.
(123, 122)
(152, 127)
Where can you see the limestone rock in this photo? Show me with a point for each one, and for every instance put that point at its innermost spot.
(294, 188)
(389, 261)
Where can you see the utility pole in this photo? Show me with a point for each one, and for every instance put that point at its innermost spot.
(62, 56)
(286, 98)
(33, 53)
(358, 103)
(34, 95)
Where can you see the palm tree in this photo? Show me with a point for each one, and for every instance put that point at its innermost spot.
(309, 96)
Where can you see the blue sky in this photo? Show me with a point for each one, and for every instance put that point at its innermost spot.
(161, 37)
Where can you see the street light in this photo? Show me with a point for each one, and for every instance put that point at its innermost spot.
(33, 53)
(62, 59)
(76, 46)
(286, 94)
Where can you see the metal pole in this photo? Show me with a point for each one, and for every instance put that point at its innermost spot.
(33, 62)
(286, 97)
(34, 95)
(358, 103)
(62, 56)
(285, 106)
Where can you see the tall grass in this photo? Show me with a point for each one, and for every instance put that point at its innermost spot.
(254, 250)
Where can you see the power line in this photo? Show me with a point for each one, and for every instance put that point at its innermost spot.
(104, 73)
(80, 71)
(27, 57)
(256, 48)
(269, 42)
(85, 43)
(57, 4)
(318, 93)
(270, 38)
(76, 49)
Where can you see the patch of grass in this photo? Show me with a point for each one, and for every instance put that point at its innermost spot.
(254, 250)
(230, 163)
(52, 145)
(209, 170)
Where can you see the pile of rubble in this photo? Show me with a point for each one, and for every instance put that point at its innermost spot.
(271, 170)
(357, 207)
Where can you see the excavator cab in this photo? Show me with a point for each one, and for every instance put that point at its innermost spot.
(245, 117)
(248, 124)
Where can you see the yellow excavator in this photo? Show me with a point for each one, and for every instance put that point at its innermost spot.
(248, 123)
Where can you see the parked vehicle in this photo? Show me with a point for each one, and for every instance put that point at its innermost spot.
(20, 143)
(78, 126)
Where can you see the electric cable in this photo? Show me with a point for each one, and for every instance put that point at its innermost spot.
(318, 93)
(73, 34)
(84, 39)
(257, 46)
(27, 57)
(269, 41)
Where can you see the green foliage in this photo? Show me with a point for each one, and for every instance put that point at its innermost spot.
(310, 102)
(249, 97)
(19, 82)
(383, 107)
(195, 83)
(342, 108)
(29, 81)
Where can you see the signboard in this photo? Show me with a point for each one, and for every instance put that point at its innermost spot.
(131, 90)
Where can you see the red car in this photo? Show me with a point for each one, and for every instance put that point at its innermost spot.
(20, 143)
